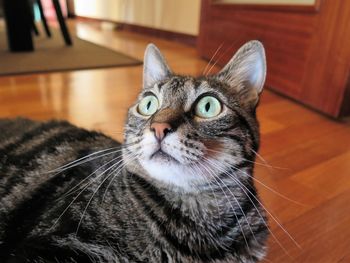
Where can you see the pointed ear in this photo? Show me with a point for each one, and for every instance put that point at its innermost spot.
(155, 67)
(246, 71)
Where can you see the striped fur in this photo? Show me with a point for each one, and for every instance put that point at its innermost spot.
(116, 210)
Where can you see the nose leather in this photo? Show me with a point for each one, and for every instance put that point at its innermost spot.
(170, 116)
(160, 129)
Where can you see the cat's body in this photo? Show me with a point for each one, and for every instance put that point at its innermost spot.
(114, 207)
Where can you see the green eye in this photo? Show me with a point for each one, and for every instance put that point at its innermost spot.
(208, 107)
(148, 105)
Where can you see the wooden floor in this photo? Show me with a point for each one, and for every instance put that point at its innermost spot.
(304, 179)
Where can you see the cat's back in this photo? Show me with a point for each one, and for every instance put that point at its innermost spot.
(10, 129)
(29, 153)
(28, 145)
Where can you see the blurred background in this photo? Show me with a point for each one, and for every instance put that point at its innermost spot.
(81, 60)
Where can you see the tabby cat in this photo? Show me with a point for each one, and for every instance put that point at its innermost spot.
(180, 188)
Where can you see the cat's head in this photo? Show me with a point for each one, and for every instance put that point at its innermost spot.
(185, 131)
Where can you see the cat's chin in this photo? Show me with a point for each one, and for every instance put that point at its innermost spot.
(161, 156)
(168, 170)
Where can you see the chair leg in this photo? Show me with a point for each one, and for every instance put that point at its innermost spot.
(62, 23)
(43, 19)
(34, 27)
(18, 25)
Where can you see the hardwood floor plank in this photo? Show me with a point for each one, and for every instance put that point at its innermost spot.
(330, 177)
(322, 233)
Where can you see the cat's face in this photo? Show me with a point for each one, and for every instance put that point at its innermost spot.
(186, 131)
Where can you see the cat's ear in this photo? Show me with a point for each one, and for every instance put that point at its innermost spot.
(155, 67)
(246, 71)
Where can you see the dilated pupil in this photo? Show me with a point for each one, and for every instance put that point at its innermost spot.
(149, 105)
(207, 106)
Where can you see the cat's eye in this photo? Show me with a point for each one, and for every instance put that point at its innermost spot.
(148, 105)
(208, 107)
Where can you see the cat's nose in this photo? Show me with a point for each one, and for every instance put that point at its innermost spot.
(160, 129)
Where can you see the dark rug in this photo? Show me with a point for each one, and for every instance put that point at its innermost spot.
(51, 54)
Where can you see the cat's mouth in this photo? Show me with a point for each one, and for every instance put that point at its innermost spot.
(163, 156)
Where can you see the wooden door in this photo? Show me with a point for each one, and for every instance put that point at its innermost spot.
(308, 47)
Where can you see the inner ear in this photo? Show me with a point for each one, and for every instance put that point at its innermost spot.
(246, 69)
(155, 67)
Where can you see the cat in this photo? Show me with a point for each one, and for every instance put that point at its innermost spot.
(179, 189)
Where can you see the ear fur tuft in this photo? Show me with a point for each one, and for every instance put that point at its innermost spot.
(247, 67)
(155, 67)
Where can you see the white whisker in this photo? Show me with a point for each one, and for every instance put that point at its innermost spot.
(217, 50)
(116, 172)
(254, 162)
(260, 182)
(273, 217)
(71, 191)
(228, 200)
(83, 159)
(94, 193)
(221, 56)
(84, 188)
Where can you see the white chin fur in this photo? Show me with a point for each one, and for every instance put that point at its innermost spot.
(163, 169)
(170, 173)
(179, 171)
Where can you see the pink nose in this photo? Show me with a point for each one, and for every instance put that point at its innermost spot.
(160, 130)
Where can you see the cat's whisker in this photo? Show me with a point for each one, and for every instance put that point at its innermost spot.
(119, 157)
(117, 170)
(237, 202)
(112, 248)
(115, 173)
(219, 58)
(82, 158)
(228, 200)
(75, 198)
(259, 156)
(197, 172)
(210, 186)
(71, 191)
(91, 159)
(260, 182)
(87, 158)
(211, 59)
(84, 188)
(246, 160)
(94, 193)
(269, 188)
(272, 216)
(271, 232)
(262, 218)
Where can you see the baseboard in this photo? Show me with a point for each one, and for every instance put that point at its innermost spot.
(165, 34)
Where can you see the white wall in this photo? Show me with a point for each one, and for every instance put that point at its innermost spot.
(173, 15)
